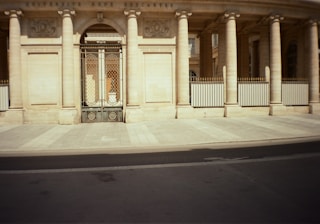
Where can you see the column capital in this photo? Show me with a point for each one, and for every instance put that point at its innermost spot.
(276, 18)
(183, 13)
(13, 13)
(132, 12)
(232, 14)
(67, 12)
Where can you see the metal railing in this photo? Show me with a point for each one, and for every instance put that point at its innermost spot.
(4, 95)
(295, 92)
(207, 92)
(253, 91)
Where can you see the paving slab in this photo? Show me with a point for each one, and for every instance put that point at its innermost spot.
(180, 134)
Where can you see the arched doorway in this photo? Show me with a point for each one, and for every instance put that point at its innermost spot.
(101, 74)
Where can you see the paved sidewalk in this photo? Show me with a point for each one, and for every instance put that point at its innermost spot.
(180, 134)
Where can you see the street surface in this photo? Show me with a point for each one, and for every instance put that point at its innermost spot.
(259, 184)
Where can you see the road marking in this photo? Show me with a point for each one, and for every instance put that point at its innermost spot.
(169, 165)
(225, 159)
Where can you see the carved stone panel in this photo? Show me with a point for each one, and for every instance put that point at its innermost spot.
(157, 28)
(42, 27)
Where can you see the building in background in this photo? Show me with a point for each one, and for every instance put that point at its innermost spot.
(76, 61)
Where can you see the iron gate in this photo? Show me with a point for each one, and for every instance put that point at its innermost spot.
(101, 82)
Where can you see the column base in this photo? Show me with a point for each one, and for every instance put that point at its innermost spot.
(277, 109)
(184, 111)
(133, 114)
(68, 116)
(233, 111)
(314, 108)
(12, 116)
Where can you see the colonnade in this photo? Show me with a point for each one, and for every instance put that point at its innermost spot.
(270, 58)
(227, 53)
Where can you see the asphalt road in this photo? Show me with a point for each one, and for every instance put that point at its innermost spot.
(261, 184)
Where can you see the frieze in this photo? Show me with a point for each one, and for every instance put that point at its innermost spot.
(44, 4)
(149, 4)
(95, 4)
(157, 28)
(42, 27)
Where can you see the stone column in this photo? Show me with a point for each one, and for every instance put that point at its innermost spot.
(182, 58)
(275, 60)
(133, 111)
(231, 58)
(68, 113)
(206, 69)
(133, 81)
(264, 53)
(15, 59)
(313, 66)
(68, 100)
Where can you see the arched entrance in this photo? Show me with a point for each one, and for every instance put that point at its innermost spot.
(101, 74)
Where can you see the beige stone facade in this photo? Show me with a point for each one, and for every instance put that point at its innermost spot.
(77, 61)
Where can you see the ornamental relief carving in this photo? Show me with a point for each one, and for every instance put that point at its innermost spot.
(157, 28)
(42, 27)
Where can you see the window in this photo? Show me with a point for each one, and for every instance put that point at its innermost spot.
(215, 40)
(192, 47)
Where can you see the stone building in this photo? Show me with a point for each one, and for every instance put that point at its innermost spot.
(76, 61)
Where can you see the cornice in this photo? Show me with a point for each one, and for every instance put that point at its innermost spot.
(261, 7)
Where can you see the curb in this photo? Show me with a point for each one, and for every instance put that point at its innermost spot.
(136, 149)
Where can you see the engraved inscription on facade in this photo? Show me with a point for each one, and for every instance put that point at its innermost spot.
(157, 28)
(43, 27)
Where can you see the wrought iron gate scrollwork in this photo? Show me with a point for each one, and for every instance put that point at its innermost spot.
(101, 82)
